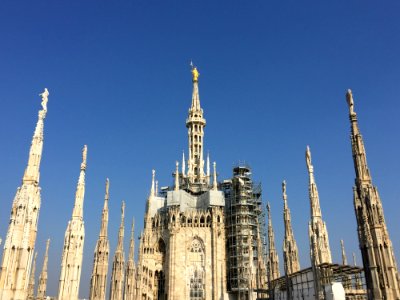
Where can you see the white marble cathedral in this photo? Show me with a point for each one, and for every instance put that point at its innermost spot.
(182, 247)
(203, 239)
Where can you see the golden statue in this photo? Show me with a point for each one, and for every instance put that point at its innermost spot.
(195, 74)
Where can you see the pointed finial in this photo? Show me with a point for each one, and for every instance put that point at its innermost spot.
(183, 163)
(269, 210)
(350, 102)
(344, 257)
(354, 259)
(84, 155)
(45, 99)
(47, 246)
(208, 168)
(308, 160)
(176, 176)
(208, 163)
(215, 176)
(152, 191)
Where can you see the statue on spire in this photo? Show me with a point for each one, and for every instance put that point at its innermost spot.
(284, 188)
(195, 73)
(45, 96)
(350, 101)
(308, 159)
(84, 156)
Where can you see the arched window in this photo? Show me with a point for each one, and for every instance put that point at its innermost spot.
(196, 265)
(196, 286)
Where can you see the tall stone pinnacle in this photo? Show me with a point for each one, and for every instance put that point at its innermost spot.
(98, 281)
(80, 189)
(318, 234)
(290, 250)
(117, 276)
(104, 216)
(273, 259)
(19, 245)
(32, 173)
(344, 257)
(42, 286)
(195, 124)
(31, 286)
(381, 272)
(71, 262)
(346, 279)
(130, 272)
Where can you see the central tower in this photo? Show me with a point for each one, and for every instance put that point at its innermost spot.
(182, 246)
(195, 124)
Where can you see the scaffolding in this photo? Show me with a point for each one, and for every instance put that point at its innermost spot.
(301, 284)
(245, 231)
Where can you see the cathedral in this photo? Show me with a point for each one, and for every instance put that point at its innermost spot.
(203, 238)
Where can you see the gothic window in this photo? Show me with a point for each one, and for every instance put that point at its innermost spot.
(196, 246)
(159, 283)
(161, 246)
(196, 264)
(196, 286)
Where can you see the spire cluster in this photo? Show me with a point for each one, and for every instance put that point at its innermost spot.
(185, 232)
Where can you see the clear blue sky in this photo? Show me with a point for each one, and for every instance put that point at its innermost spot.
(273, 79)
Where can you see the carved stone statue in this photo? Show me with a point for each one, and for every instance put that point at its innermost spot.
(308, 159)
(45, 96)
(284, 188)
(84, 155)
(350, 101)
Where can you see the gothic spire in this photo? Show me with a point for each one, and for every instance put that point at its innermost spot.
(381, 273)
(318, 234)
(183, 164)
(74, 239)
(313, 191)
(42, 286)
(215, 185)
(20, 240)
(177, 176)
(132, 242)
(120, 246)
(290, 250)
(32, 173)
(195, 124)
(359, 154)
(273, 260)
(129, 290)
(344, 257)
(153, 176)
(98, 281)
(208, 168)
(31, 285)
(80, 189)
(104, 217)
(195, 96)
(117, 276)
